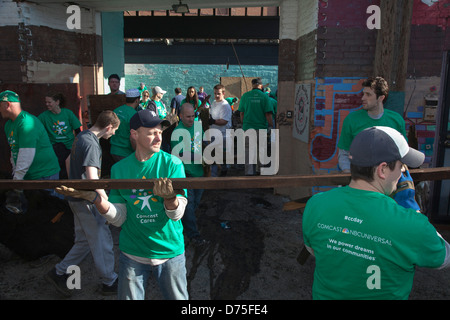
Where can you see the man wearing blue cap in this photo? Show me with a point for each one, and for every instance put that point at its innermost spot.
(151, 239)
(32, 155)
(366, 244)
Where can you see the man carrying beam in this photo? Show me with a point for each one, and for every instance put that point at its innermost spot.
(151, 239)
(365, 243)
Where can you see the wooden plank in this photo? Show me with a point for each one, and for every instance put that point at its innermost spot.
(403, 40)
(99, 103)
(392, 47)
(241, 182)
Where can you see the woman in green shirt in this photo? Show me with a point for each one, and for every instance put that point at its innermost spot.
(61, 125)
(192, 98)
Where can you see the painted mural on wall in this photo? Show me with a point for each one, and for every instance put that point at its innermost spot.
(334, 99)
(302, 106)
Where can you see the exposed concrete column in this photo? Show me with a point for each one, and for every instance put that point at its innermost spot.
(298, 25)
(113, 47)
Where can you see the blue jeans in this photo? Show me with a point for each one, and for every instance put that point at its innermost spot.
(52, 191)
(92, 235)
(171, 278)
(189, 219)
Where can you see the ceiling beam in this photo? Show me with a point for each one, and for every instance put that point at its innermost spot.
(209, 27)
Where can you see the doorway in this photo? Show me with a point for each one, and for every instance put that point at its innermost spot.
(440, 205)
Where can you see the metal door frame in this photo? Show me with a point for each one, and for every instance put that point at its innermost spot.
(441, 139)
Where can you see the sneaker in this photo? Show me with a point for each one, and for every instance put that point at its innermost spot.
(110, 290)
(59, 282)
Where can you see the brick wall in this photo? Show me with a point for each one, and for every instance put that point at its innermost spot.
(306, 57)
(37, 34)
(287, 56)
(58, 46)
(437, 14)
(345, 52)
(345, 46)
(10, 57)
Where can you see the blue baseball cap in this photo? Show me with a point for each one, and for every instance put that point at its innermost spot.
(146, 118)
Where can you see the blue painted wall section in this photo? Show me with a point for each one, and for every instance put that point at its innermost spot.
(170, 76)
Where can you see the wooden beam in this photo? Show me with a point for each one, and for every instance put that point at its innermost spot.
(403, 49)
(241, 182)
(392, 47)
(203, 27)
(385, 40)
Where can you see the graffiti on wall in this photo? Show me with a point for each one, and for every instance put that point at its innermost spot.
(334, 99)
(302, 106)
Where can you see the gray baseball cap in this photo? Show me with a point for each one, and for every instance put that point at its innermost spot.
(375, 145)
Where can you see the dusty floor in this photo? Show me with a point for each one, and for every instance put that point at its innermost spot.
(255, 259)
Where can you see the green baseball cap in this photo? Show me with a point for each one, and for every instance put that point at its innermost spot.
(9, 96)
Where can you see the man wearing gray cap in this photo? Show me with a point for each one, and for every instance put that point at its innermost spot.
(121, 144)
(156, 104)
(151, 238)
(366, 245)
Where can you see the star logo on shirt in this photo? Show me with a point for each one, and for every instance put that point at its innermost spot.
(59, 127)
(145, 196)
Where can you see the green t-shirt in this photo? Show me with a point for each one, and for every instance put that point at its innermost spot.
(161, 108)
(142, 89)
(366, 245)
(60, 126)
(26, 131)
(120, 141)
(195, 133)
(359, 120)
(148, 232)
(255, 104)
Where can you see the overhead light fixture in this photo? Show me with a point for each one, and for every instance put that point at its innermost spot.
(180, 8)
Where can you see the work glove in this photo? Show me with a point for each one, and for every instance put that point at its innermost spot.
(211, 121)
(16, 202)
(80, 194)
(405, 193)
(163, 188)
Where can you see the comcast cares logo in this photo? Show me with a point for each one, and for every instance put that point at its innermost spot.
(345, 230)
(143, 198)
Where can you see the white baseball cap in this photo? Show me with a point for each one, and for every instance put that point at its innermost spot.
(157, 89)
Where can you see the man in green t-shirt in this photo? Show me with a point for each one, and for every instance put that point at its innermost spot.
(121, 144)
(151, 238)
(32, 155)
(256, 114)
(365, 244)
(190, 132)
(142, 88)
(373, 113)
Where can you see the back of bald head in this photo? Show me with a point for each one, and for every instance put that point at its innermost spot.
(186, 106)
